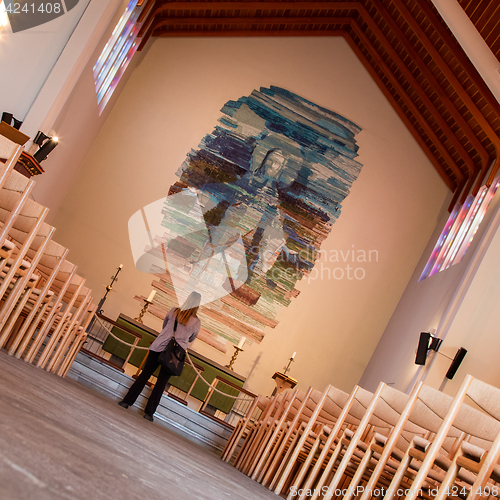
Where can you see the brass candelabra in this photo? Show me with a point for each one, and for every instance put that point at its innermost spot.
(235, 355)
(143, 310)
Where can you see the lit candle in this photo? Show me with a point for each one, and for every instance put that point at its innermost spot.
(293, 355)
(151, 296)
(242, 341)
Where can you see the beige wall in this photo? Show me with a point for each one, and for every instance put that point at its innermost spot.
(460, 304)
(170, 102)
(27, 58)
(78, 123)
(475, 324)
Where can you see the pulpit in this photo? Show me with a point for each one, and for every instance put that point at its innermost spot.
(283, 382)
(27, 165)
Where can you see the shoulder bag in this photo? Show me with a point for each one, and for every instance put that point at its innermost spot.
(172, 358)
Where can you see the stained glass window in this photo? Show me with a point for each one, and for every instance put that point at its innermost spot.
(459, 231)
(117, 54)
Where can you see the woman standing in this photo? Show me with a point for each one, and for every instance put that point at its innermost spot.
(181, 323)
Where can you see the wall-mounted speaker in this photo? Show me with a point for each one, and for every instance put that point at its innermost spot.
(459, 357)
(435, 344)
(9, 118)
(423, 346)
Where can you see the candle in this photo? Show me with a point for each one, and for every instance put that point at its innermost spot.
(242, 341)
(293, 355)
(121, 266)
(151, 296)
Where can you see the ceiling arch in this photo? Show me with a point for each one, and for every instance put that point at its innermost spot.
(404, 45)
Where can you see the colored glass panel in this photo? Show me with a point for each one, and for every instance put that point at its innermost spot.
(116, 55)
(459, 231)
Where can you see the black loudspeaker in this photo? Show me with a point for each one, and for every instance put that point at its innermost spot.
(7, 117)
(17, 123)
(423, 346)
(459, 357)
(45, 149)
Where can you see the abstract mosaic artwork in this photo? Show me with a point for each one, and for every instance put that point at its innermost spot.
(246, 220)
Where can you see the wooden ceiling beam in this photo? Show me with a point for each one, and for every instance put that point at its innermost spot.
(211, 6)
(255, 21)
(145, 10)
(453, 80)
(158, 22)
(246, 32)
(234, 32)
(433, 17)
(450, 106)
(162, 7)
(149, 20)
(402, 115)
(418, 89)
(159, 18)
(407, 101)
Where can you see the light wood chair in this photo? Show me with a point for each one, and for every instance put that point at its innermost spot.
(296, 413)
(24, 286)
(481, 425)
(276, 433)
(418, 419)
(60, 285)
(39, 304)
(13, 194)
(326, 410)
(310, 438)
(268, 431)
(81, 305)
(329, 447)
(78, 342)
(243, 426)
(256, 434)
(23, 233)
(427, 408)
(11, 147)
(62, 325)
(486, 469)
(24, 229)
(380, 418)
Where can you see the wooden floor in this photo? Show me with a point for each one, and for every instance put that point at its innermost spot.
(62, 440)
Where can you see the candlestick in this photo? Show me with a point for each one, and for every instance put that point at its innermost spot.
(287, 367)
(109, 288)
(143, 311)
(235, 355)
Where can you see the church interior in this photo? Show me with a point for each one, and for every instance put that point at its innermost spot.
(323, 174)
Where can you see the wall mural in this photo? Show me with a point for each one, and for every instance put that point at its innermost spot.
(248, 216)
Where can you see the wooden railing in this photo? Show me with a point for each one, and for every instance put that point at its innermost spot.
(98, 335)
(239, 408)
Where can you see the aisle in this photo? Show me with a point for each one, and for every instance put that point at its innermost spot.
(61, 440)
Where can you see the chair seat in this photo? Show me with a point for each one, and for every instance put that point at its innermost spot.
(8, 245)
(37, 292)
(21, 271)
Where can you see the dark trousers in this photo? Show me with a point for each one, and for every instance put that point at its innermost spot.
(149, 368)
